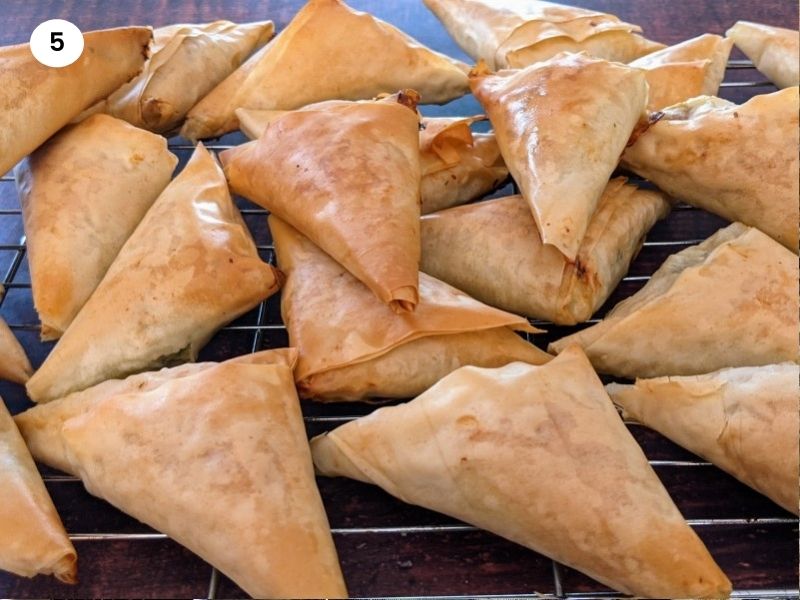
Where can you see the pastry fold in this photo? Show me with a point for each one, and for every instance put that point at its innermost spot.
(189, 267)
(328, 51)
(492, 251)
(214, 455)
(730, 301)
(775, 51)
(737, 161)
(692, 68)
(352, 346)
(187, 62)
(456, 164)
(32, 538)
(561, 126)
(346, 174)
(744, 420)
(517, 33)
(36, 101)
(82, 195)
(538, 455)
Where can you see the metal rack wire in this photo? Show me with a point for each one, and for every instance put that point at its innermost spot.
(261, 327)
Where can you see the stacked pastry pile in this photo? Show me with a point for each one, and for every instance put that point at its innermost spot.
(391, 290)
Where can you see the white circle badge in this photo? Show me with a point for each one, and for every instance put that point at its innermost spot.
(56, 43)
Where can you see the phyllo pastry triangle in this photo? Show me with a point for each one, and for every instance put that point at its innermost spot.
(692, 68)
(744, 420)
(36, 101)
(189, 267)
(14, 363)
(492, 251)
(352, 346)
(561, 126)
(328, 51)
(775, 51)
(737, 161)
(32, 538)
(538, 455)
(214, 455)
(730, 301)
(82, 195)
(517, 33)
(187, 62)
(346, 174)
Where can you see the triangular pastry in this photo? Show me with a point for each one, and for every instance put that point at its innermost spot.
(538, 455)
(14, 363)
(36, 101)
(82, 194)
(730, 301)
(775, 51)
(457, 165)
(692, 68)
(492, 251)
(32, 538)
(214, 455)
(328, 51)
(353, 346)
(346, 174)
(737, 161)
(744, 420)
(187, 62)
(190, 267)
(517, 33)
(561, 126)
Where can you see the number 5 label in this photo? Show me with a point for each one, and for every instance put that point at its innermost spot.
(56, 43)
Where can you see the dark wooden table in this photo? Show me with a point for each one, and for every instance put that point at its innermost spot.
(388, 548)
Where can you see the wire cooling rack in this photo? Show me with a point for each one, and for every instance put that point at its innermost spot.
(736, 512)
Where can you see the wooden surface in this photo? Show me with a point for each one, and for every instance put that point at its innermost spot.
(433, 554)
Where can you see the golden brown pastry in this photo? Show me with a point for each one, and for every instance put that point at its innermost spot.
(328, 51)
(456, 165)
(730, 301)
(492, 251)
(352, 346)
(14, 363)
(187, 62)
(517, 33)
(561, 126)
(32, 538)
(737, 161)
(190, 267)
(214, 455)
(36, 101)
(82, 194)
(346, 174)
(775, 51)
(743, 420)
(538, 455)
(692, 68)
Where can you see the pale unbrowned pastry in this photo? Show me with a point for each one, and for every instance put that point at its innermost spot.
(328, 51)
(737, 161)
(14, 363)
(214, 455)
(190, 267)
(538, 455)
(36, 101)
(561, 126)
(352, 346)
(187, 61)
(346, 174)
(744, 420)
(730, 301)
(775, 51)
(517, 33)
(492, 251)
(82, 194)
(692, 68)
(32, 538)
